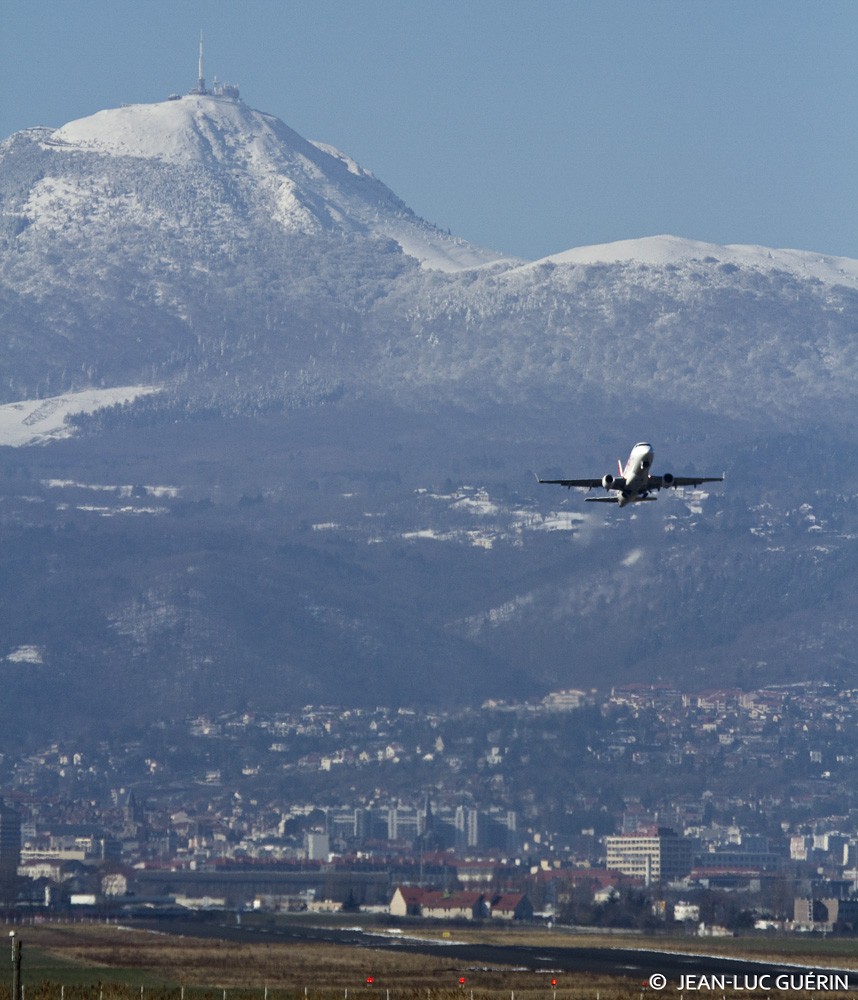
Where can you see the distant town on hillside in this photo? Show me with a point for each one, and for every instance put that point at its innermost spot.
(648, 805)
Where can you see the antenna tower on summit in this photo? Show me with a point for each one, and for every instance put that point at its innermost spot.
(228, 90)
(201, 80)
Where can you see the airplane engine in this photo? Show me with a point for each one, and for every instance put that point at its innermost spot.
(667, 479)
(607, 480)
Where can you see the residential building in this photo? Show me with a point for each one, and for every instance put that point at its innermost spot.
(655, 855)
(413, 901)
(511, 906)
(10, 854)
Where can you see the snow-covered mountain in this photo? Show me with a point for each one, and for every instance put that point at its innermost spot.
(198, 242)
(324, 489)
(672, 251)
(242, 165)
(156, 238)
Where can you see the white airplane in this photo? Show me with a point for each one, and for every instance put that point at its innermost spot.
(634, 482)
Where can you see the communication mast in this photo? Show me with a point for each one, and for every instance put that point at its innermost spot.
(201, 80)
(218, 89)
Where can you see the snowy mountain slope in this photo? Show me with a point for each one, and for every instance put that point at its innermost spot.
(201, 244)
(671, 251)
(747, 332)
(305, 187)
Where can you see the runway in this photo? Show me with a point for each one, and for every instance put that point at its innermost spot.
(654, 970)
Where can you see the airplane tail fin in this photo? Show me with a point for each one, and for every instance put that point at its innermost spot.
(620, 467)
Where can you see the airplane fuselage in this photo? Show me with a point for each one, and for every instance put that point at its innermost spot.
(636, 475)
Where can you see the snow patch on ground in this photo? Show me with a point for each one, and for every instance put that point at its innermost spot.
(26, 654)
(36, 421)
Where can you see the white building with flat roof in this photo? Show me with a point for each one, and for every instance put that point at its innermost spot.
(655, 855)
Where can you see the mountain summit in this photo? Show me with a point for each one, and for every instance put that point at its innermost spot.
(243, 161)
(145, 242)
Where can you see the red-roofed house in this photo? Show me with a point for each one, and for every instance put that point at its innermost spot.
(406, 901)
(511, 906)
(457, 906)
(412, 901)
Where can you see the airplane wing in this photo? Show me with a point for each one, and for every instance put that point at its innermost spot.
(658, 482)
(569, 483)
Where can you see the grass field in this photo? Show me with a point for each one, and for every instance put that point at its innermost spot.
(108, 962)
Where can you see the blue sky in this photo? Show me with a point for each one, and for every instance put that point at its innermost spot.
(529, 127)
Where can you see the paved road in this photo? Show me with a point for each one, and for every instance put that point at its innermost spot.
(679, 972)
